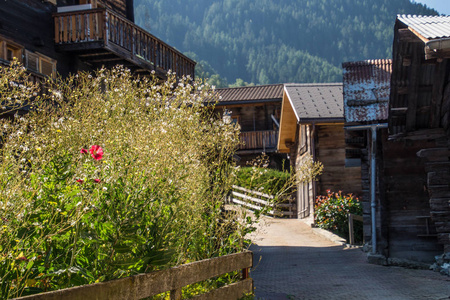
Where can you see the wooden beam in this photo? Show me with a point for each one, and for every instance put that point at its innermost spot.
(413, 90)
(437, 93)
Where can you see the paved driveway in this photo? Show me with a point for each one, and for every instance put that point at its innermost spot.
(293, 262)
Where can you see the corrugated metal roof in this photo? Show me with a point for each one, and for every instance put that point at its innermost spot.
(316, 101)
(249, 94)
(366, 90)
(429, 27)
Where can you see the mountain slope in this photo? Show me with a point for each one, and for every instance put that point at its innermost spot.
(270, 41)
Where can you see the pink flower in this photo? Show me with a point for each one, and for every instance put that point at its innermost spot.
(84, 151)
(80, 180)
(96, 152)
(97, 180)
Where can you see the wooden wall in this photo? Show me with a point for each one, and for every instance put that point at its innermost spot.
(305, 196)
(404, 203)
(330, 150)
(29, 23)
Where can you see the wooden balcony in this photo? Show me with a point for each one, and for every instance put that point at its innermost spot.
(101, 37)
(258, 141)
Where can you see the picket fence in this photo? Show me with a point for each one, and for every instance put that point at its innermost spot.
(254, 200)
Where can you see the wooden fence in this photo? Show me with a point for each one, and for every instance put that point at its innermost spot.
(170, 280)
(255, 200)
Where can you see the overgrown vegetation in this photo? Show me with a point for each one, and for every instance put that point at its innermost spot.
(265, 180)
(107, 176)
(331, 213)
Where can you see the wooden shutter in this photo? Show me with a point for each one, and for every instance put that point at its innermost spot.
(31, 61)
(47, 67)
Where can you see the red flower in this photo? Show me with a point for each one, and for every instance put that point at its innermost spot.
(80, 180)
(97, 180)
(96, 152)
(84, 151)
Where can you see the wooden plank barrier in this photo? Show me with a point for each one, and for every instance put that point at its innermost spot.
(170, 280)
(255, 200)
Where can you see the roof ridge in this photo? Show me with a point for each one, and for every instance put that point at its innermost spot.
(252, 86)
(314, 84)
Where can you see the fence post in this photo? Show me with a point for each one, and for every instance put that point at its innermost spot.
(351, 238)
(175, 294)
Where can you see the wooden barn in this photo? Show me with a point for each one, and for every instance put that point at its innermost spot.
(257, 110)
(414, 180)
(312, 124)
(66, 36)
(366, 98)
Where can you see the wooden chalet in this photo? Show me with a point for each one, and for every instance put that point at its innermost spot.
(257, 110)
(414, 174)
(66, 36)
(312, 124)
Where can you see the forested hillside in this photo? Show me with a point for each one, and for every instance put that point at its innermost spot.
(273, 41)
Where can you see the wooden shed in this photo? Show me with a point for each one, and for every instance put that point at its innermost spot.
(312, 124)
(414, 180)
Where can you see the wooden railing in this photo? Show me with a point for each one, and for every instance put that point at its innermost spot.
(170, 280)
(254, 200)
(104, 25)
(266, 139)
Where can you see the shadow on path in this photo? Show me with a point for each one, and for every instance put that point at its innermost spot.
(297, 264)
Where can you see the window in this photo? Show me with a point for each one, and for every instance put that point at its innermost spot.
(39, 63)
(10, 50)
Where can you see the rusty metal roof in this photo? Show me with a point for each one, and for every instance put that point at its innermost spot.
(366, 90)
(316, 101)
(429, 27)
(248, 94)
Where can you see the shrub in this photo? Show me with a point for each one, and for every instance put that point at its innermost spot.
(108, 176)
(331, 213)
(269, 181)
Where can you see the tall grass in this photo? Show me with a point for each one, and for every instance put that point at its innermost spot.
(149, 196)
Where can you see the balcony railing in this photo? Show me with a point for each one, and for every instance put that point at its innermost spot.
(259, 140)
(88, 30)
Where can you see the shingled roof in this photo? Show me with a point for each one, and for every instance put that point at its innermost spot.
(316, 101)
(248, 94)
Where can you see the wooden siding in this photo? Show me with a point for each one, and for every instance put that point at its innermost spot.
(404, 191)
(330, 150)
(288, 126)
(118, 6)
(305, 191)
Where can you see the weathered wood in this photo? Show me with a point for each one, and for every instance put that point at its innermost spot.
(147, 285)
(406, 35)
(231, 291)
(413, 95)
(437, 94)
(118, 35)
